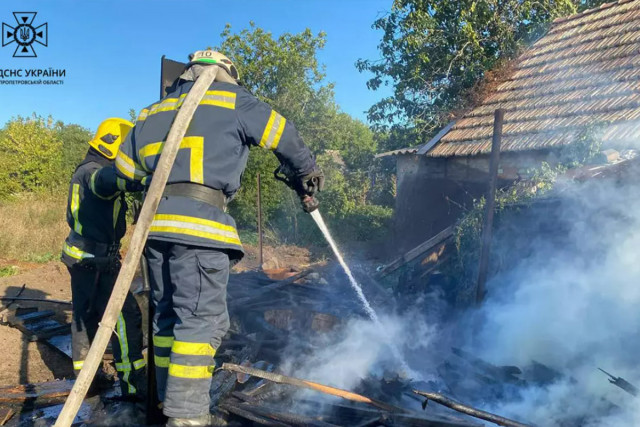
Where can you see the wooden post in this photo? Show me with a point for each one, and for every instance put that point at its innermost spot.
(121, 287)
(490, 203)
(260, 259)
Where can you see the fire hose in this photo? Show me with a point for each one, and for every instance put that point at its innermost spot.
(121, 287)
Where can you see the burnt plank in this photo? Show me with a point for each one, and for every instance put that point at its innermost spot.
(37, 395)
(35, 316)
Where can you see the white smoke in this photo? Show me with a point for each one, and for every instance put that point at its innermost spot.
(574, 309)
(362, 349)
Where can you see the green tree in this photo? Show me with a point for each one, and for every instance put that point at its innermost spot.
(30, 155)
(434, 51)
(74, 140)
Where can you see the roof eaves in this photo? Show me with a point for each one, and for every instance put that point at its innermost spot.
(408, 150)
(429, 145)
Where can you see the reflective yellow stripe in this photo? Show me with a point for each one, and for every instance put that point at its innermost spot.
(220, 98)
(267, 129)
(198, 227)
(160, 341)
(92, 184)
(74, 252)
(123, 367)
(169, 104)
(161, 362)
(194, 372)
(78, 364)
(193, 348)
(140, 363)
(122, 184)
(124, 351)
(152, 149)
(273, 131)
(128, 167)
(276, 139)
(143, 115)
(75, 207)
(196, 162)
(116, 211)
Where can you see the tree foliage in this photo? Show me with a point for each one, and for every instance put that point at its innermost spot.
(434, 51)
(74, 140)
(38, 154)
(30, 155)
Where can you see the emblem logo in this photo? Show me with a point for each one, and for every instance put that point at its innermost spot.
(25, 34)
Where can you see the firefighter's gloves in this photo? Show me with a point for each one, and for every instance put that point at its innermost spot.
(313, 182)
(136, 186)
(307, 188)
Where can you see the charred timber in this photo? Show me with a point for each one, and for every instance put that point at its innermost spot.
(476, 413)
(283, 379)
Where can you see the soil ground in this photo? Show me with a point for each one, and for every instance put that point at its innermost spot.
(31, 362)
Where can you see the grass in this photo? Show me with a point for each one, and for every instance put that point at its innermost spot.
(9, 270)
(33, 227)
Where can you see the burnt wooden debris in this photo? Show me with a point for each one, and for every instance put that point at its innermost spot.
(37, 325)
(36, 395)
(271, 320)
(425, 248)
(465, 409)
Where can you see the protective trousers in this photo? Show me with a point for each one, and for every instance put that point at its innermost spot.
(189, 289)
(90, 290)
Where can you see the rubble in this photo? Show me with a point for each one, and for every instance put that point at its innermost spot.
(275, 321)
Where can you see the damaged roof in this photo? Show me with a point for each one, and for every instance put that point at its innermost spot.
(584, 71)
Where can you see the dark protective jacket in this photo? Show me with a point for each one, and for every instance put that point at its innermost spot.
(96, 209)
(214, 152)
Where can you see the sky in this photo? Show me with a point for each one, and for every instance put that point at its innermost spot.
(111, 50)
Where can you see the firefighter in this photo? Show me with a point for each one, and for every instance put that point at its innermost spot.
(192, 239)
(96, 213)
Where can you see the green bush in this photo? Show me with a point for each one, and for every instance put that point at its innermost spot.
(31, 155)
(364, 222)
(36, 154)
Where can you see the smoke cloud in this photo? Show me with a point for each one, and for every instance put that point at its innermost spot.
(574, 308)
(570, 302)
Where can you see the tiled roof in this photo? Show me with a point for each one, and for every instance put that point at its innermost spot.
(584, 71)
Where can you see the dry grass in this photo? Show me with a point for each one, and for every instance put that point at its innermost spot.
(33, 227)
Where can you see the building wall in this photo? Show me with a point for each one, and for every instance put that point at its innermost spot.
(433, 193)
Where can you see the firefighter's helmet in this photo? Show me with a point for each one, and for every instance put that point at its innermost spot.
(212, 57)
(110, 135)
